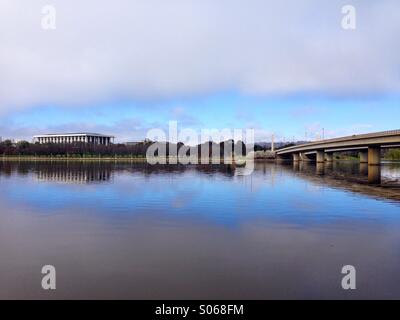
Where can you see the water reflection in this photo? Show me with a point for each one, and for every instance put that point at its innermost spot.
(374, 175)
(364, 169)
(75, 172)
(86, 172)
(376, 181)
(135, 231)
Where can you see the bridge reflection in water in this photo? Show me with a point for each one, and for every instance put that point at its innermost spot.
(362, 171)
(372, 172)
(381, 182)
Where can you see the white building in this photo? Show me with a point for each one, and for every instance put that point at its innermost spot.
(93, 138)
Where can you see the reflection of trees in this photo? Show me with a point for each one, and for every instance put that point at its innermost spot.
(148, 169)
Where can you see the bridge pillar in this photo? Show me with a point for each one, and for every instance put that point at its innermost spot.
(296, 157)
(364, 156)
(320, 156)
(329, 156)
(374, 156)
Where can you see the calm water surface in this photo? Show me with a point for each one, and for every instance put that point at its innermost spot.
(124, 230)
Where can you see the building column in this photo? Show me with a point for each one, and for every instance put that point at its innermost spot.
(364, 156)
(296, 157)
(374, 156)
(329, 156)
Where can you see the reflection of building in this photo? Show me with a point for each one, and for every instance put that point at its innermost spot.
(74, 174)
(93, 138)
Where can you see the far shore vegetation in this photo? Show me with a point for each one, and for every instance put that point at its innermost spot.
(25, 150)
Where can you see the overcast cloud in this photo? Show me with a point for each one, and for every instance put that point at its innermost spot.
(127, 49)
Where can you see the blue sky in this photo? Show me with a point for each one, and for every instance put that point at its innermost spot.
(124, 67)
(286, 117)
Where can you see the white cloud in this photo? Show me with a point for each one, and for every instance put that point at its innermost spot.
(104, 50)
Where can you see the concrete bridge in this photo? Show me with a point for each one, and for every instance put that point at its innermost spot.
(369, 145)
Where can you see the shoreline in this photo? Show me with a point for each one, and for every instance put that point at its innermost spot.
(137, 159)
(71, 159)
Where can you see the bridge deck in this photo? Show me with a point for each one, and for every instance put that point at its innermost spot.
(354, 142)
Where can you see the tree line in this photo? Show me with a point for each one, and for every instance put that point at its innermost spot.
(25, 148)
(82, 149)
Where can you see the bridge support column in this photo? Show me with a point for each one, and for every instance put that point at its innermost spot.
(364, 156)
(374, 156)
(320, 156)
(329, 156)
(296, 157)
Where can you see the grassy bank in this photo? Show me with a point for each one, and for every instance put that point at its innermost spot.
(71, 158)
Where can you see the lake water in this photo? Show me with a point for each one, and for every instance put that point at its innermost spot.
(135, 231)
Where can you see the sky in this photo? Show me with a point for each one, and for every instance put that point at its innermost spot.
(124, 67)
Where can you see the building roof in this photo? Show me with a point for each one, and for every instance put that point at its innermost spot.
(72, 134)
